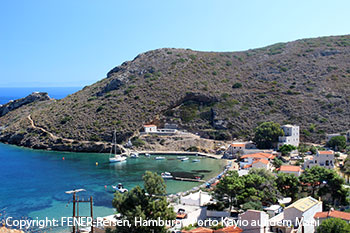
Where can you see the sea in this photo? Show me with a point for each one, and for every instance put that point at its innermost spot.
(33, 183)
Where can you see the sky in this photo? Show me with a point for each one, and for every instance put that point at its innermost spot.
(61, 43)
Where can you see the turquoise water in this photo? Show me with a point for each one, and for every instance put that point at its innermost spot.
(33, 182)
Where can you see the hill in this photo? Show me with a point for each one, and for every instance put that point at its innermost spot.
(221, 95)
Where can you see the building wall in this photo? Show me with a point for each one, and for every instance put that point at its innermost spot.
(292, 172)
(323, 160)
(291, 135)
(261, 165)
(151, 129)
(256, 215)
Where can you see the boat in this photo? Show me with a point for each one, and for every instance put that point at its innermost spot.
(117, 158)
(134, 155)
(119, 188)
(181, 157)
(196, 160)
(160, 158)
(166, 175)
(184, 159)
(148, 155)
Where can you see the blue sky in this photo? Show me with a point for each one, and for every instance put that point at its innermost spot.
(75, 43)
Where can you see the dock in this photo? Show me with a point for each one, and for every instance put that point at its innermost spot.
(180, 153)
(188, 179)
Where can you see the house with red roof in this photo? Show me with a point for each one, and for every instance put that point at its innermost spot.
(150, 128)
(322, 158)
(236, 148)
(257, 160)
(320, 216)
(289, 169)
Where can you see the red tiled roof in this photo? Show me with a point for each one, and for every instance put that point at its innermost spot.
(333, 214)
(259, 156)
(265, 161)
(231, 229)
(246, 166)
(289, 168)
(199, 230)
(149, 126)
(325, 152)
(238, 145)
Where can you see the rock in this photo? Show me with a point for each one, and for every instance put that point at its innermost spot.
(112, 85)
(329, 52)
(12, 105)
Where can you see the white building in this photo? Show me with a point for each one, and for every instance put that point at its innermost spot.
(252, 217)
(297, 216)
(236, 147)
(322, 158)
(248, 159)
(291, 136)
(150, 128)
(289, 169)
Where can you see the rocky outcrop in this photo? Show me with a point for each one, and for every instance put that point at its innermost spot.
(12, 105)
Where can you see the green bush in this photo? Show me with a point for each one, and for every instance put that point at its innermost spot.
(237, 85)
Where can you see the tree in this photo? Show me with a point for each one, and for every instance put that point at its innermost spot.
(346, 167)
(149, 203)
(288, 185)
(325, 183)
(337, 143)
(228, 188)
(286, 149)
(334, 225)
(258, 185)
(277, 162)
(266, 135)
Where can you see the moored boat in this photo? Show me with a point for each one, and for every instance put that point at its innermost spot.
(184, 159)
(117, 157)
(160, 158)
(134, 155)
(120, 188)
(196, 160)
(166, 175)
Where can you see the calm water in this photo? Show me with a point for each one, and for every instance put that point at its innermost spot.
(12, 93)
(33, 182)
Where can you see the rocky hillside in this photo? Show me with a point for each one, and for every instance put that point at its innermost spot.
(219, 95)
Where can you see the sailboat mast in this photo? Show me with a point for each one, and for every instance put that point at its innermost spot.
(115, 141)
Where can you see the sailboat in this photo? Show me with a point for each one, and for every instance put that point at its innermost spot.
(117, 157)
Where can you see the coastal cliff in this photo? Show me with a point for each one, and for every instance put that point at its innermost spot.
(218, 95)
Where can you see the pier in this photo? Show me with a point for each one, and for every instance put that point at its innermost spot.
(188, 179)
(180, 153)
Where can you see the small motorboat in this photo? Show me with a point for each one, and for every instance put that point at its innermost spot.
(196, 160)
(160, 158)
(148, 155)
(184, 159)
(181, 157)
(134, 155)
(119, 188)
(166, 175)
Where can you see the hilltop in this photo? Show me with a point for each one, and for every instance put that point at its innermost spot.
(219, 95)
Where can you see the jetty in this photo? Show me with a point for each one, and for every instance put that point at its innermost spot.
(188, 179)
(180, 153)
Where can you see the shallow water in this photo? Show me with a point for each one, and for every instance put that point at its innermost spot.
(33, 182)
